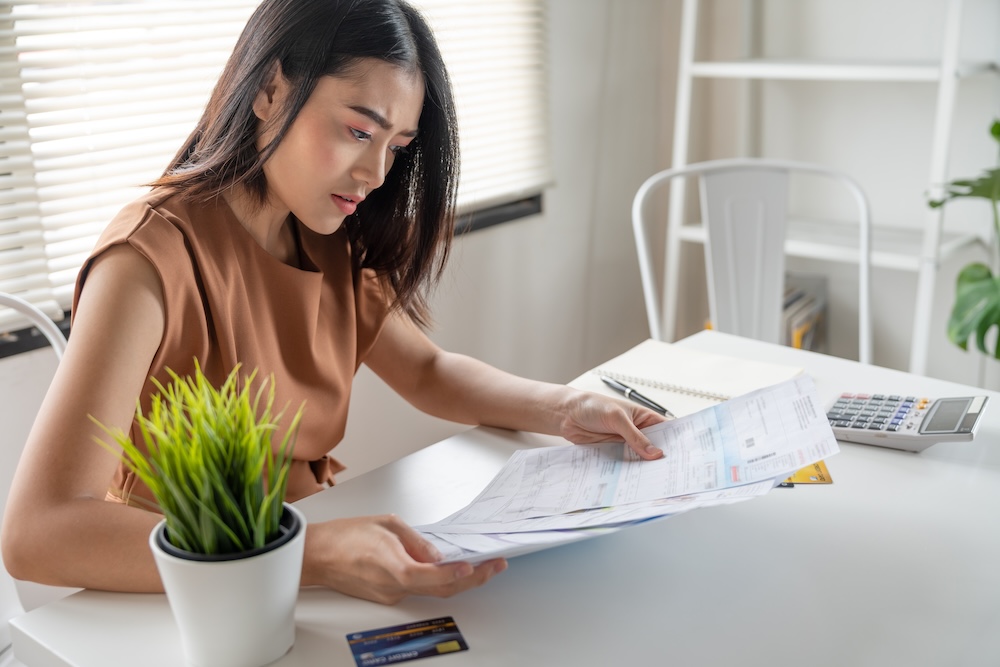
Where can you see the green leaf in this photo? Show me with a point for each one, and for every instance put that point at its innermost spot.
(987, 186)
(976, 309)
(977, 293)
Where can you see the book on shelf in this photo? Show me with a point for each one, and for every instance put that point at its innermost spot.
(804, 312)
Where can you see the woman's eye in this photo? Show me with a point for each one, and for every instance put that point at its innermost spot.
(399, 150)
(361, 135)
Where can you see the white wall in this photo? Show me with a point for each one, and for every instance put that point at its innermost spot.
(546, 297)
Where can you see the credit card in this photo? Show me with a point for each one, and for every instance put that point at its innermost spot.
(813, 474)
(410, 641)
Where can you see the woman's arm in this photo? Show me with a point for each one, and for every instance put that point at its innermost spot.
(57, 528)
(465, 390)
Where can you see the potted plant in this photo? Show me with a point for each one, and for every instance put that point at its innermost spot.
(229, 549)
(977, 293)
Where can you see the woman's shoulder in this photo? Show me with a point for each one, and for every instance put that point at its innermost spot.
(159, 225)
(160, 208)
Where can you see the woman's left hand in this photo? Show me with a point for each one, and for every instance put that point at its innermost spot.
(590, 418)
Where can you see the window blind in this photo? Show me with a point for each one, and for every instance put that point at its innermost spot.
(97, 97)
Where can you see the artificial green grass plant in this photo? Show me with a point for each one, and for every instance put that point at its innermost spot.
(209, 461)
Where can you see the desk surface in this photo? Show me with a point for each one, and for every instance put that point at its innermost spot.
(895, 563)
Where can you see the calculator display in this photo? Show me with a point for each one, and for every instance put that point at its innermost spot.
(947, 416)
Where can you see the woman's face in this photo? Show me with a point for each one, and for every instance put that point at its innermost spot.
(342, 143)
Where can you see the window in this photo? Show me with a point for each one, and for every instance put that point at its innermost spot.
(99, 95)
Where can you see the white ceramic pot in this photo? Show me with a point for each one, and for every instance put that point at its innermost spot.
(238, 612)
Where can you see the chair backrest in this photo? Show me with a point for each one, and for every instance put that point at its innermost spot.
(744, 250)
(39, 319)
(744, 208)
(11, 591)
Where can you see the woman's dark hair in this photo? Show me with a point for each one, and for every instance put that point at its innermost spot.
(408, 222)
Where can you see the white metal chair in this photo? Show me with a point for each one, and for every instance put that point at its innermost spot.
(10, 598)
(39, 319)
(744, 206)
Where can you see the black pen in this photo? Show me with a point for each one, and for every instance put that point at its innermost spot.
(633, 395)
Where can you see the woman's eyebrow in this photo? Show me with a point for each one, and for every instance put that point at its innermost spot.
(381, 120)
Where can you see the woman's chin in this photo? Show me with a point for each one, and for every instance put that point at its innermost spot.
(324, 226)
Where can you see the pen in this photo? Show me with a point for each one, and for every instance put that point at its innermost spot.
(633, 395)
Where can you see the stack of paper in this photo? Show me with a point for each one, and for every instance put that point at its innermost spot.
(726, 453)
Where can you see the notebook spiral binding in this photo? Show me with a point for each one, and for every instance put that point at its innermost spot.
(663, 386)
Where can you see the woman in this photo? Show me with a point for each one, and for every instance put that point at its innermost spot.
(296, 232)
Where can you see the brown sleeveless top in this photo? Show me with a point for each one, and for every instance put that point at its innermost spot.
(228, 301)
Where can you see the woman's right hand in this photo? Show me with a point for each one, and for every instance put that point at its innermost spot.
(380, 558)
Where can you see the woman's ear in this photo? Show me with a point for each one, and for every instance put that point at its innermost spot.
(271, 97)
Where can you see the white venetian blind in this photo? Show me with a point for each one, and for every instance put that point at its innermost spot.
(97, 97)
(495, 51)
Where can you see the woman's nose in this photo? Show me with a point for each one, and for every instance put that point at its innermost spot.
(371, 168)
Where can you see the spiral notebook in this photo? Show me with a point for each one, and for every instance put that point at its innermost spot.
(685, 380)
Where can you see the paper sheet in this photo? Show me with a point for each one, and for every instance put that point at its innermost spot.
(725, 453)
(603, 516)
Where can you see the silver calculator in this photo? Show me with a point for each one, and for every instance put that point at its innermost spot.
(911, 423)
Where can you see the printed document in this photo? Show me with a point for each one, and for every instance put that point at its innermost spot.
(725, 453)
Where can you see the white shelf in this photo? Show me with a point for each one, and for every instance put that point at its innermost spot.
(920, 250)
(892, 247)
(830, 71)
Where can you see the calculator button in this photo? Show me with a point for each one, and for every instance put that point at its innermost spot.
(859, 425)
(875, 427)
(894, 397)
(892, 427)
(910, 398)
(842, 424)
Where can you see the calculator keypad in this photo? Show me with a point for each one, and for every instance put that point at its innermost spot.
(878, 412)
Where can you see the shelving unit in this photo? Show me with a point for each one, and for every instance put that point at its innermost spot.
(920, 252)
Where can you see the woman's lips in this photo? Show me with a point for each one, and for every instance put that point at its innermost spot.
(347, 206)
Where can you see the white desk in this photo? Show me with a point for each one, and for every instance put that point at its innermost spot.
(896, 563)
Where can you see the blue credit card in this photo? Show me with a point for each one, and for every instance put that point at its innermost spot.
(410, 641)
